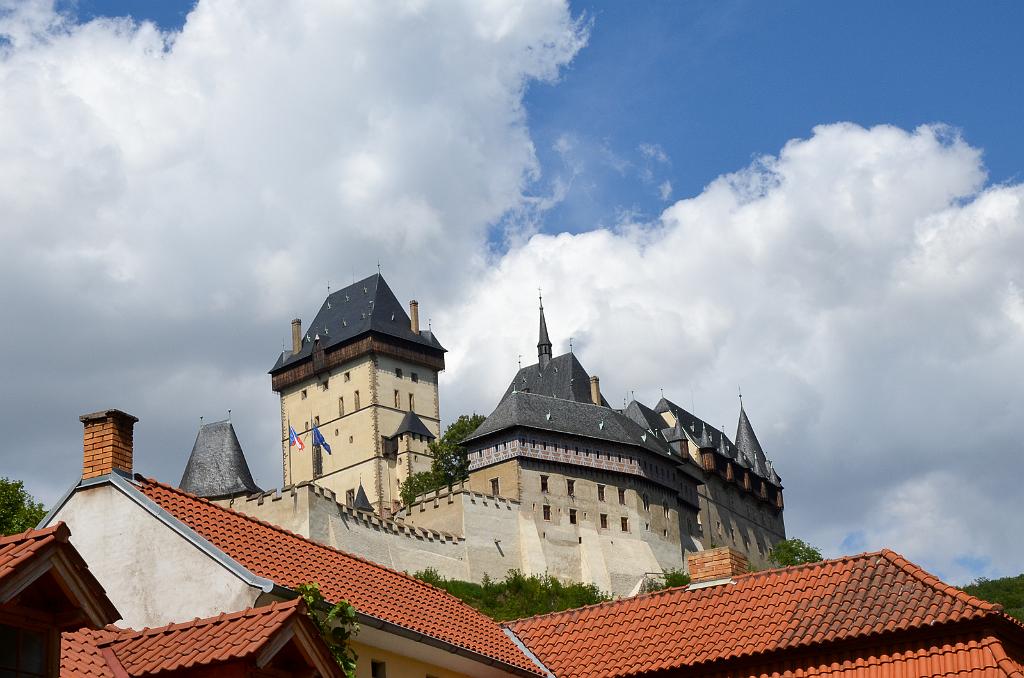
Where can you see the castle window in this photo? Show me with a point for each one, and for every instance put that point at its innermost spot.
(302, 394)
(494, 487)
(577, 449)
(323, 385)
(350, 497)
(647, 527)
(572, 516)
(600, 492)
(398, 372)
(316, 421)
(415, 378)
(341, 407)
(347, 376)
(398, 401)
(543, 483)
(378, 670)
(622, 495)
(647, 503)
(665, 507)
(356, 399)
(570, 487)
(412, 403)
(604, 521)
(547, 512)
(624, 523)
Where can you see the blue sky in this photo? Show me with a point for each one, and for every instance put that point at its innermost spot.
(864, 284)
(716, 84)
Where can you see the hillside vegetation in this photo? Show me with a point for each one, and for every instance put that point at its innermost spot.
(517, 595)
(1008, 592)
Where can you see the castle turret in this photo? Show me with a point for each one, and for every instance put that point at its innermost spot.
(217, 468)
(543, 343)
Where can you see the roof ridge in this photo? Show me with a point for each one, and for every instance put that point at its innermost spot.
(124, 634)
(33, 533)
(321, 545)
(1005, 663)
(934, 582)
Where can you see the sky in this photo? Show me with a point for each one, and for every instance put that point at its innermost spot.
(821, 205)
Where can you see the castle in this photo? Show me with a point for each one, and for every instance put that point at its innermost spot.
(559, 482)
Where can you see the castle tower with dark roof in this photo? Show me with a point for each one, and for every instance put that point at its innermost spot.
(365, 374)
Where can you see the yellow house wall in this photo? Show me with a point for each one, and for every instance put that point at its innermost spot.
(397, 666)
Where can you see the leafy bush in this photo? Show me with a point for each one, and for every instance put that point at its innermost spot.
(794, 552)
(670, 579)
(19, 511)
(1008, 592)
(517, 595)
(337, 626)
(449, 464)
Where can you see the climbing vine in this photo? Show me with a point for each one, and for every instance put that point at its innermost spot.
(337, 626)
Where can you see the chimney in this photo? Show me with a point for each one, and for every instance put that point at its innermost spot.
(595, 390)
(296, 335)
(414, 316)
(717, 564)
(107, 443)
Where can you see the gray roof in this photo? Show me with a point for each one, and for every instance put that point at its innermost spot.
(362, 502)
(366, 306)
(749, 447)
(749, 455)
(563, 377)
(217, 466)
(646, 417)
(413, 424)
(542, 412)
(543, 342)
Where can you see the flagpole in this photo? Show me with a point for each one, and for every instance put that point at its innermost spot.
(290, 477)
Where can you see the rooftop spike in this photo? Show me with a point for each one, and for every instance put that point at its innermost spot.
(543, 343)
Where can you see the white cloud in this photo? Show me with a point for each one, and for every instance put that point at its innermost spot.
(862, 287)
(665, 190)
(169, 201)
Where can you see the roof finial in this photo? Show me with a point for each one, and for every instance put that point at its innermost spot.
(229, 415)
(570, 344)
(662, 392)
(200, 420)
(520, 361)
(740, 389)
(378, 266)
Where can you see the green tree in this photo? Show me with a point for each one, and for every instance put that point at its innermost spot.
(337, 626)
(669, 579)
(449, 465)
(794, 552)
(19, 511)
(1008, 592)
(517, 595)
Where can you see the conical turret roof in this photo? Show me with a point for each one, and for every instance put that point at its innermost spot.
(217, 466)
(749, 447)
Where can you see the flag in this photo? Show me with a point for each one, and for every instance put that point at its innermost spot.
(318, 439)
(294, 440)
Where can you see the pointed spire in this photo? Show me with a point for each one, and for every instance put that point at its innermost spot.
(747, 444)
(543, 343)
(705, 440)
(217, 467)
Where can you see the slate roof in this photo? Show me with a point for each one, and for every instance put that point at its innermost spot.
(217, 466)
(557, 415)
(705, 436)
(290, 560)
(750, 448)
(563, 377)
(646, 418)
(362, 502)
(760, 616)
(201, 643)
(411, 423)
(363, 307)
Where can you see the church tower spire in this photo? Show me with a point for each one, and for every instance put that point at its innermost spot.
(543, 343)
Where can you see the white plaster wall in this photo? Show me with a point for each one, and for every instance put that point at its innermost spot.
(153, 575)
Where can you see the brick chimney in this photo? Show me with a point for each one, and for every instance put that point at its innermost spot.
(296, 335)
(595, 390)
(716, 564)
(414, 316)
(107, 443)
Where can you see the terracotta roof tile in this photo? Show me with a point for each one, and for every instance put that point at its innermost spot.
(17, 549)
(371, 588)
(224, 638)
(757, 613)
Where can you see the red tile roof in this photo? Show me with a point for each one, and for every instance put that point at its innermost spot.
(290, 560)
(963, 657)
(758, 613)
(202, 642)
(18, 549)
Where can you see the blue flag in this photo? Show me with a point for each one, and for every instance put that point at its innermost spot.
(318, 439)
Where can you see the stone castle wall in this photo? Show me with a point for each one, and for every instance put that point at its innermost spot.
(465, 535)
